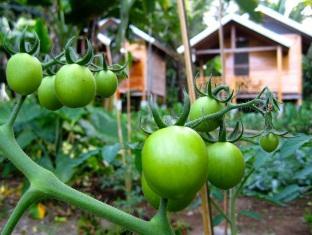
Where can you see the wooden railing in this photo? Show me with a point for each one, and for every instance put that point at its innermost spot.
(243, 83)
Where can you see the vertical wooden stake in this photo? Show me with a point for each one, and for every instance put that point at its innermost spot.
(225, 209)
(206, 212)
(187, 50)
(279, 58)
(128, 180)
(221, 41)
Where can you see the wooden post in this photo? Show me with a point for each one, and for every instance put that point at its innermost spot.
(233, 80)
(201, 73)
(187, 50)
(221, 41)
(279, 58)
(206, 212)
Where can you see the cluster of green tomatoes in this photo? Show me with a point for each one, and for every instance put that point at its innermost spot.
(176, 161)
(73, 85)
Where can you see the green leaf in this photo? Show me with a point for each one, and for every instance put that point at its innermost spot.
(249, 7)
(251, 214)
(289, 193)
(66, 166)
(216, 220)
(25, 138)
(290, 145)
(110, 152)
(307, 171)
(43, 34)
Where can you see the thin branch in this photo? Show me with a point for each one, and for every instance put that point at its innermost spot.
(16, 110)
(219, 209)
(29, 197)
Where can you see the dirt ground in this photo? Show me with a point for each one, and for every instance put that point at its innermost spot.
(275, 220)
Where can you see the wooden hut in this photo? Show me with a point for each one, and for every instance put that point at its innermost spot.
(147, 74)
(257, 54)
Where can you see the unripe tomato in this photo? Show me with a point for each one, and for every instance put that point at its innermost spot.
(226, 165)
(204, 106)
(24, 73)
(269, 142)
(154, 199)
(74, 85)
(106, 83)
(174, 162)
(46, 94)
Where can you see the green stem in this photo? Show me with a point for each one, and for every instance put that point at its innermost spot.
(56, 189)
(219, 209)
(161, 220)
(28, 198)
(16, 110)
(15, 154)
(233, 212)
(58, 135)
(219, 114)
(240, 187)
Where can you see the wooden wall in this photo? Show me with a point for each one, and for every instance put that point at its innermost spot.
(263, 68)
(148, 72)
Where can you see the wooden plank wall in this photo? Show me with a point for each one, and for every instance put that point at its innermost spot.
(263, 67)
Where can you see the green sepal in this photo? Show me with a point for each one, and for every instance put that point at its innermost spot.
(155, 114)
(186, 110)
(87, 58)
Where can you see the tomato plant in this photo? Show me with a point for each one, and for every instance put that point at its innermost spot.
(46, 94)
(24, 73)
(176, 162)
(225, 165)
(170, 154)
(269, 142)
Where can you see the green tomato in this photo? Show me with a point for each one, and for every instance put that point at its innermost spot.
(154, 199)
(106, 83)
(174, 162)
(46, 94)
(269, 142)
(75, 85)
(226, 165)
(24, 73)
(204, 106)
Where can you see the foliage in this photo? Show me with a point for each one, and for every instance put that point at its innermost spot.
(293, 118)
(89, 133)
(283, 175)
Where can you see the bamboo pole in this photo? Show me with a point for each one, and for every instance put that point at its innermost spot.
(206, 212)
(279, 73)
(221, 41)
(223, 64)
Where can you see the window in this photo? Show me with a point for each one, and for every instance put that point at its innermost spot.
(241, 59)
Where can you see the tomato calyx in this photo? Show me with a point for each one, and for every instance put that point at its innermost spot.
(179, 122)
(233, 137)
(72, 57)
(28, 43)
(216, 92)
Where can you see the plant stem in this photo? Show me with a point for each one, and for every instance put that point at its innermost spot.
(28, 198)
(219, 209)
(161, 220)
(49, 185)
(63, 192)
(219, 114)
(16, 110)
(233, 212)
